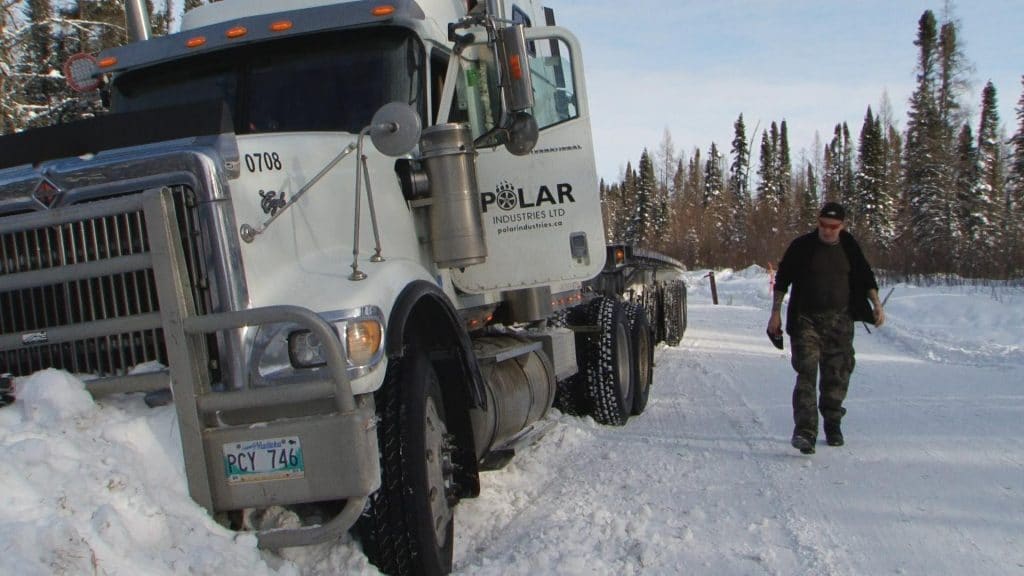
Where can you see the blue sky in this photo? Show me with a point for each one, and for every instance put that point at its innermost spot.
(692, 66)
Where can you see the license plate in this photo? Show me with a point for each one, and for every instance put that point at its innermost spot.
(262, 460)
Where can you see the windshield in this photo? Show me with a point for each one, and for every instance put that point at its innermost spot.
(327, 82)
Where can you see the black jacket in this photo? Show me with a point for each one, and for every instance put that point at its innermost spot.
(795, 266)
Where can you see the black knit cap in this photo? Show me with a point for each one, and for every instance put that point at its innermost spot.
(833, 210)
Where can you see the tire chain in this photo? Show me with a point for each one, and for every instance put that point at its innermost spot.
(382, 528)
(601, 391)
(673, 316)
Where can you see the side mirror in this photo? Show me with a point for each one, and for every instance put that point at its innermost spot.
(395, 129)
(522, 134)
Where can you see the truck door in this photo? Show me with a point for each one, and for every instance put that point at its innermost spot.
(541, 211)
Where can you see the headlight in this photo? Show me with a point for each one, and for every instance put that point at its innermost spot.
(362, 343)
(305, 350)
(282, 351)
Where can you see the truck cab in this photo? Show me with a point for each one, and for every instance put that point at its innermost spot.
(350, 238)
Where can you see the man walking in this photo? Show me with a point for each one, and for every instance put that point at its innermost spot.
(832, 283)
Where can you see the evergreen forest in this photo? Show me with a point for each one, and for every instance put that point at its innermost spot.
(945, 195)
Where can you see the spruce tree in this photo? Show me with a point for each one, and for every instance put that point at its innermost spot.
(847, 185)
(1015, 193)
(892, 186)
(39, 14)
(42, 89)
(716, 209)
(829, 190)
(770, 223)
(692, 202)
(953, 69)
(868, 180)
(609, 208)
(678, 178)
(739, 195)
(835, 164)
(929, 216)
(807, 201)
(9, 115)
(784, 174)
(660, 218)
(644, 203)
(626, 224)
(990, 182)
(968, 208)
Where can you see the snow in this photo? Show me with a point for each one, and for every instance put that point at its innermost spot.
(931, 480)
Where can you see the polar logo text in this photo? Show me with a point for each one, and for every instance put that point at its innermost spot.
(507, 197)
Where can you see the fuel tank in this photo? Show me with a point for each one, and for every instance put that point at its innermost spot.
(519, 390)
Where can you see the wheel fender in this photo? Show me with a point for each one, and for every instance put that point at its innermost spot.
(422, 297)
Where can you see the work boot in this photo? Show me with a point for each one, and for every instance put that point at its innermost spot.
(833, 434)
(802, 443)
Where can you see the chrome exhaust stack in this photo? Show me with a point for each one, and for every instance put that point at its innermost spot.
(456, 227)
(496, 8)
(137, 21)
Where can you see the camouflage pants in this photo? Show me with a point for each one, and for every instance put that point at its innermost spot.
(822, 341)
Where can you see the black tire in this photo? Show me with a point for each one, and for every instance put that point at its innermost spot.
(675, 312)
(407, 527)
(609, 367)
(570, 397)
(681, 290)
(641, 338)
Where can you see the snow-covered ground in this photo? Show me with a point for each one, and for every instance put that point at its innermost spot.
(931, 480)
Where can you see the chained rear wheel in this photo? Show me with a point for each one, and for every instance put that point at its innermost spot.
(407, 527)
(608, 364)
(675, 312)
(641, 340)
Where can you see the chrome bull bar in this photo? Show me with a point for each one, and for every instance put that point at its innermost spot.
(339, 437)
(347, 469)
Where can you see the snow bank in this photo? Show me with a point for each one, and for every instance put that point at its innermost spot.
(100, 488)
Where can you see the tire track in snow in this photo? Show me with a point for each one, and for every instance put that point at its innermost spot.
(607, 488)
(813, 541)
(579, 502)
(482, 523)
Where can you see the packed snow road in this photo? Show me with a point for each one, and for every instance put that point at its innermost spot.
(931, 480)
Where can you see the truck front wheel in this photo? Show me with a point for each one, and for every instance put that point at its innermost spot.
(407, 527)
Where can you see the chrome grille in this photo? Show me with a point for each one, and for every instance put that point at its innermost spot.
(36, 309)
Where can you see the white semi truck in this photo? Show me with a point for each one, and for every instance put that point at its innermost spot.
(360, 244)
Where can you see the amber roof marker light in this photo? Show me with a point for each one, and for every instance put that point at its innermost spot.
(383, 10)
